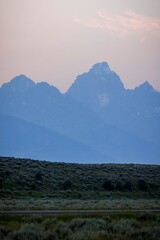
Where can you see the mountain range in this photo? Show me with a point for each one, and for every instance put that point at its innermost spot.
(97, 120)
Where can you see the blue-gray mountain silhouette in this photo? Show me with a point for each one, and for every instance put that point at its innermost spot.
(27, 140)
(136, 111)
(97, 112)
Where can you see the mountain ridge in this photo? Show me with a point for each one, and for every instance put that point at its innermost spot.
(125, 109)
(96, 111)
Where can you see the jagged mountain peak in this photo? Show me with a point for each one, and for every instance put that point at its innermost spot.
(146, 86)
(45, 87)
(20, 83)
(23, 80)
(101, 68)
(104, 76)
(99, 82)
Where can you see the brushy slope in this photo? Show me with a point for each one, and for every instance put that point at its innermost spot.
(30, 178)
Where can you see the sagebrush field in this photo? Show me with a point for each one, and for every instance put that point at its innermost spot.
(38, 185)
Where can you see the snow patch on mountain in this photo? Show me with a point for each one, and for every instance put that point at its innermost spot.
(103, 99)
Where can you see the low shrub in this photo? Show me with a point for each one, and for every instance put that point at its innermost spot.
(49, 223)
(4, 231)
(27, 232)
(107, 185)
(85, 229)
(148, 233)
(33, 219)
(124, 226)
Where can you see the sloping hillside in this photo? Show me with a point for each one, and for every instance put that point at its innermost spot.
(30, 178)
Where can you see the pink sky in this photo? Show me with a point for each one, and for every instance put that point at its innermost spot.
(55, 40)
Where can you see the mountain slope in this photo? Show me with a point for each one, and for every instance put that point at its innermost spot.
(23, 139)
(98, 87)
(136, 111)
(92, 121)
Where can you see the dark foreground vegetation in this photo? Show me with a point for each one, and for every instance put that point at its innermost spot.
(93, 227)
(29, 184)
(23, 177)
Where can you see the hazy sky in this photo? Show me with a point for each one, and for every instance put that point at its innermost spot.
(55, 40)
